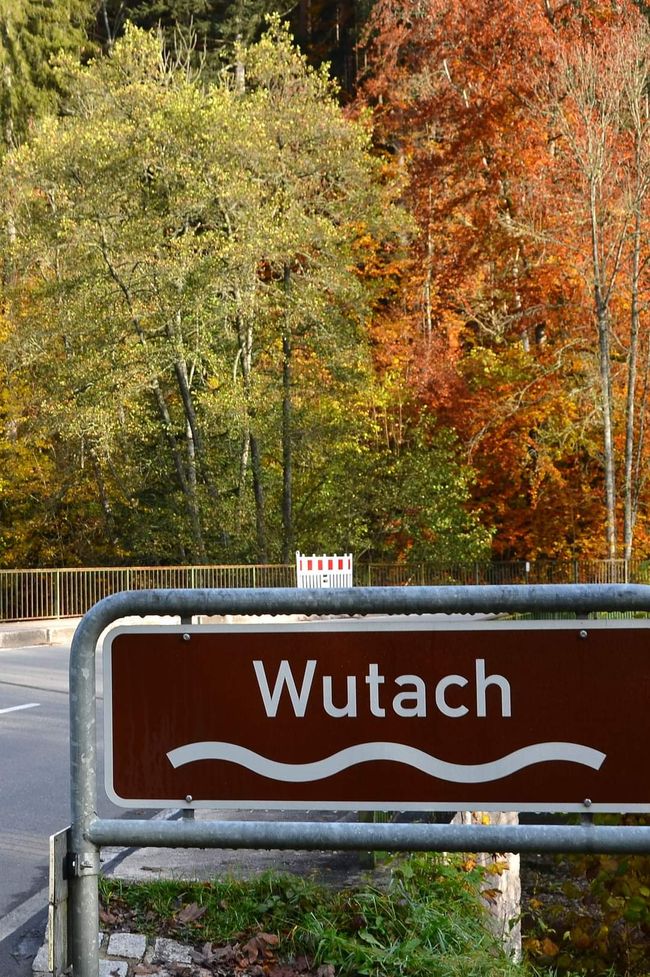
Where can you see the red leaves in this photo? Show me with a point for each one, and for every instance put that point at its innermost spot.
(470, 98)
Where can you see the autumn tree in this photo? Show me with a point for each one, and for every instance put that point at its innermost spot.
(187, 270)
(596, 102)
(449, 85)
(490, 321)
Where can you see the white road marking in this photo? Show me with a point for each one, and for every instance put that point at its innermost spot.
(17, 918)
(28, 705)
(21, 914)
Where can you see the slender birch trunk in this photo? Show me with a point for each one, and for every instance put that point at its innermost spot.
(629, 513)
(288, 546)
(245, 358)
(601, 307)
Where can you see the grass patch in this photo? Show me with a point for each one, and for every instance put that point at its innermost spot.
(425, 919)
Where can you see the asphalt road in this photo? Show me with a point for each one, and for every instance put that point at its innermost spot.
(34, 791)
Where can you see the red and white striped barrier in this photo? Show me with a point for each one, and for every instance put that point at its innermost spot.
(324, 571)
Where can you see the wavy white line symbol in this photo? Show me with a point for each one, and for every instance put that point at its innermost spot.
(458, 773)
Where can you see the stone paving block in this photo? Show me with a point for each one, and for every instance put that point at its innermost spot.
(113, 968)
(127, 945)
(170, 951)
(40, 962)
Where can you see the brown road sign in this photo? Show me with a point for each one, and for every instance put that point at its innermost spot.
(543, 716)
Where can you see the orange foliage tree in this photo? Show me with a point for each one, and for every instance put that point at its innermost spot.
(499, 320)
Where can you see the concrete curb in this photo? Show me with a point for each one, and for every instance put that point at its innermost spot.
(37, 635)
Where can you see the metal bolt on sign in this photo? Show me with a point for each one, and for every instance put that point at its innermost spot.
(510, 681)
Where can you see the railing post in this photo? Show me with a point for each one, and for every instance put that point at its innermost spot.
(57, 593)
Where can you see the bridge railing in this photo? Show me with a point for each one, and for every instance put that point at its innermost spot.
(70, 592)
(38, 594)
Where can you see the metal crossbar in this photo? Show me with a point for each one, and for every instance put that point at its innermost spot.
(88, 832)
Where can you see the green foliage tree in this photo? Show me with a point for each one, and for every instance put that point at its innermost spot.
(210, 28)
(179, 249)
(389, 492)
(32, 33)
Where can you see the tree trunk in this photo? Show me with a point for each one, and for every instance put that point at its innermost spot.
(608, 434)
(243, 470)
(605, 369)
(191, 498)
(8, 131)
(258, 492)
(629, 514)
(110, 35)
(192, 483)
(503, 882)
(245, 356)
(428, 277)
(287, 458)
(183, 380)
(104, 501)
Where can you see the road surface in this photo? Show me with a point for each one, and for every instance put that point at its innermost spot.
(34, 791)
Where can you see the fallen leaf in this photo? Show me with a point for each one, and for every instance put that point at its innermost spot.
(490, 895)
(224, 954)
(499, 867)
(549, 948)
(190, 913)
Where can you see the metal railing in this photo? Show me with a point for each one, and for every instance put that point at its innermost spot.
(40, 594)
(503, 572)
(70, 592)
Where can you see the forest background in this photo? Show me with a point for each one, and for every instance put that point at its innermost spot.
(366, 277)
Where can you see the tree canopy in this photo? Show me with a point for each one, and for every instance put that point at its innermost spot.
(240, 318)
(523, 132)
(32, 34)
(188, 276)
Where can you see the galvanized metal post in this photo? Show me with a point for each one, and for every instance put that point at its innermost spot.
(84, 900)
